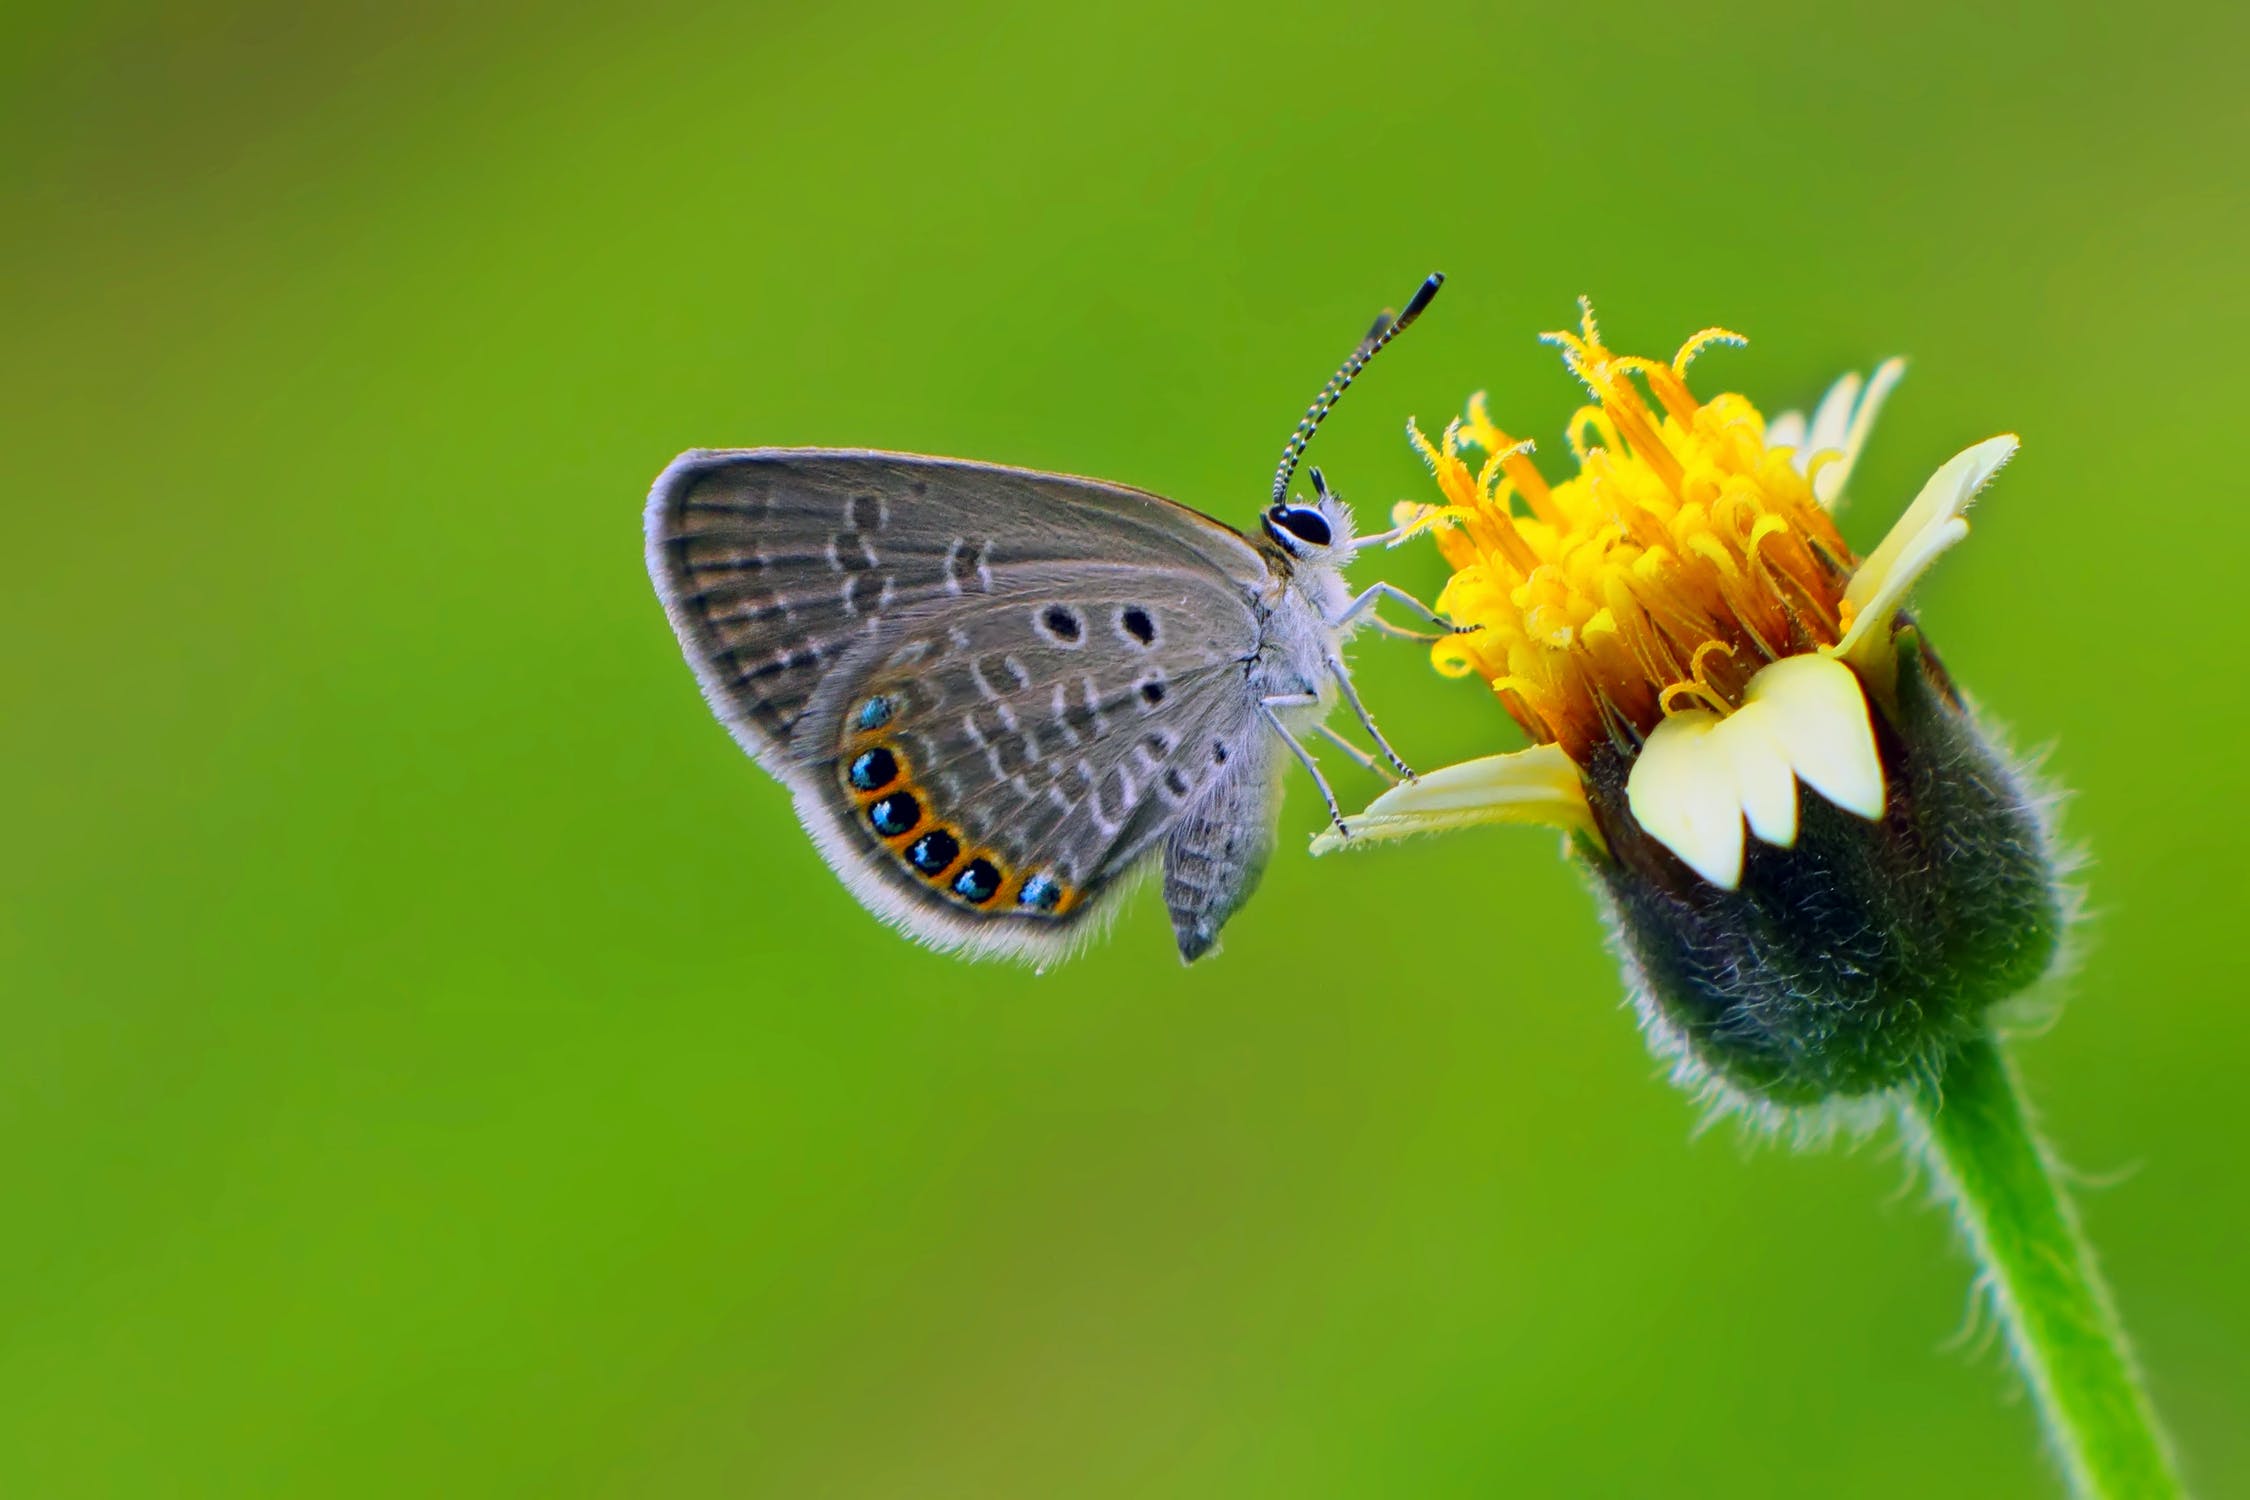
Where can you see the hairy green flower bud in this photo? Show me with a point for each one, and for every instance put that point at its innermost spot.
(1856, 960)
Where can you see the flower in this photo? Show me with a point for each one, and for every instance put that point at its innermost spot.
(1692, 646)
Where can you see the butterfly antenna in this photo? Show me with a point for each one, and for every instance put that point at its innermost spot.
(1386, 328)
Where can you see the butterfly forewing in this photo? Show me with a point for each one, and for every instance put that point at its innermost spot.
(993, 692)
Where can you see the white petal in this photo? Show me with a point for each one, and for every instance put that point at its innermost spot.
(1931, 524)
(1816, 712)
(1865, 644)
(1684, 793)
(1787, 430)
(1763, 777)
(1804, 718)
(1539, 785)
(1828, 484)
(1831, 420)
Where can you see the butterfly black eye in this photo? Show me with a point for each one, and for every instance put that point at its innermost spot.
(1302, 522)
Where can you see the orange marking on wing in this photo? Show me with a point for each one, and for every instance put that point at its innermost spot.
(1008, 892)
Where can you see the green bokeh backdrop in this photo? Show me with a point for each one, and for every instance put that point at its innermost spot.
(434, 1062)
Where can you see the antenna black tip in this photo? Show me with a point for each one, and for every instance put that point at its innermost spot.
(1421, 298)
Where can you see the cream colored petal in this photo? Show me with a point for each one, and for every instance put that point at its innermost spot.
(1947, 493)
(1867, 642)
(1816, 713)
(1931, 524)
(1762, 774)
(1831, 420)
(1539, 785)
(1684, 793)
(1787, 430)
(1804, 718)
(1828, 484)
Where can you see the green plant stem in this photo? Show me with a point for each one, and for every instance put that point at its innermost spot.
(1972, 1129)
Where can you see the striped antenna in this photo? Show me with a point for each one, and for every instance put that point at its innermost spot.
(1386, 328)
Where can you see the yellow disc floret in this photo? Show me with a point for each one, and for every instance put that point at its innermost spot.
(1683, 556)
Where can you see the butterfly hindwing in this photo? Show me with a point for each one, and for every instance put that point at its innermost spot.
(993, 693)
(1016, 781)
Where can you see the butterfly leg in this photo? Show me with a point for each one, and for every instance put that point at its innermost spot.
(1359, 757)
(1399, 533)
(1366, 720)
(1376, 593)
(1268, 707)
(1401, 633)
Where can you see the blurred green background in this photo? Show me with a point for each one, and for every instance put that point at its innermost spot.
(434, 1062)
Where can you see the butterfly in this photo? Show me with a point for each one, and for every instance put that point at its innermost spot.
(997, 694)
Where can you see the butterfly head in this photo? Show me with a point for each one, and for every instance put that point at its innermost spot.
(1308, 532)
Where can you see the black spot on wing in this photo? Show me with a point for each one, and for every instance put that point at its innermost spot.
(1061, 624)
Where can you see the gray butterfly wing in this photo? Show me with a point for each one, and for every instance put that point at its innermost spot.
(992, 692)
